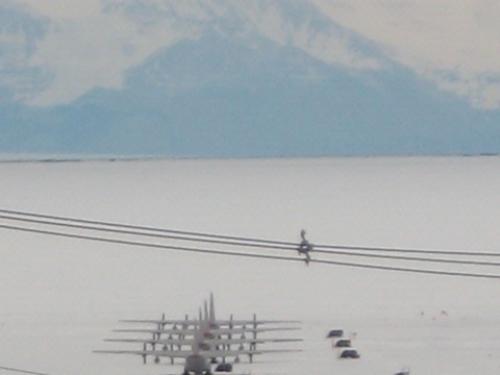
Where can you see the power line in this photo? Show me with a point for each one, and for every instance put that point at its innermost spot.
(153, 235)
(411, 258)
(414, 251)
(320, 248)
(147, 228)
(248, 255)
(237, 243)
(150, 245)
(21, 371)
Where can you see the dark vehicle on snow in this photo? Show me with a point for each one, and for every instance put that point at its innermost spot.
(349, 353)
(344, 343)
(335, 333)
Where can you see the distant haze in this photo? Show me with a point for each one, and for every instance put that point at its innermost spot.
(261, 78)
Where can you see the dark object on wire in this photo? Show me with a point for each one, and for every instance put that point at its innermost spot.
(305, 247)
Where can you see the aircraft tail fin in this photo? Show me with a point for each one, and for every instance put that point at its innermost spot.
(205, 307)
(212, 308)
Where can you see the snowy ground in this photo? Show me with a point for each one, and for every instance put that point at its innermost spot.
(60, 297)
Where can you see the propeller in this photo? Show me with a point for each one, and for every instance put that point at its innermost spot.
(185, 325)
(172, 345)
(255, 326)
(144, 348)
(231, 326)
(161, 324)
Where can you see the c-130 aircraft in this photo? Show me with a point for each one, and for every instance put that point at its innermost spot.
(207, 339)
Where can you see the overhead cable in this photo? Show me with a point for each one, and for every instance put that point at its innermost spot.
(248, 255)
(21, 371)
(148, 234)
(244, 244)
(319, 248)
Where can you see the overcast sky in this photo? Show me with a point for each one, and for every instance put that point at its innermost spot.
(455, 44)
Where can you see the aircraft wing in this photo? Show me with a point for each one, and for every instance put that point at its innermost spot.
(235, 353)
(232, 341)
(250, 322)
(217, 331)
(187, 353)
(154, 353)
(190, 322)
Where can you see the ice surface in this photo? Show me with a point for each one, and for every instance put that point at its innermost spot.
(61, 297)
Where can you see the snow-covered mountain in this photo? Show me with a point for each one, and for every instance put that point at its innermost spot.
(219, 79)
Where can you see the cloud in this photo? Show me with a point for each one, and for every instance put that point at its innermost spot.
(300, 25)
(64, 9)
(20, 32)
(93, 43)
(453, 43)
(87, 47)
(81, 45)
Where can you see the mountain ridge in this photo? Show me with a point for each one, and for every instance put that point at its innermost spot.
(243, 94)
